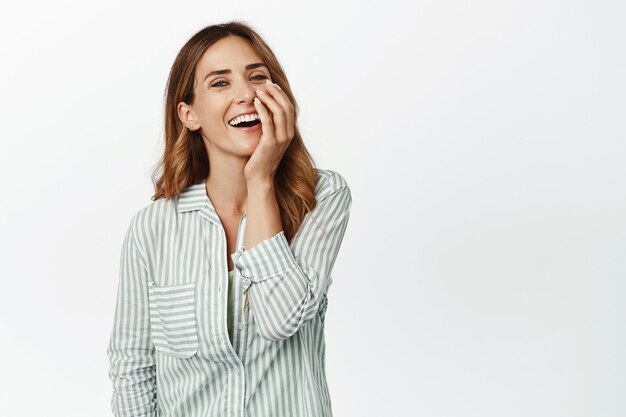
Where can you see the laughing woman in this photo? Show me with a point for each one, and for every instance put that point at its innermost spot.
(224, 276)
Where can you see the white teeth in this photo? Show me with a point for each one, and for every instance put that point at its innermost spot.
(244, 118)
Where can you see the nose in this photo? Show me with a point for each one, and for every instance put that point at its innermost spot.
(244, 92)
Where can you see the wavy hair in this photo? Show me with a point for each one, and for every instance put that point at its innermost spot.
(185, 161)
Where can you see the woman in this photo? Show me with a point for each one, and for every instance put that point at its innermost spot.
(224, 276)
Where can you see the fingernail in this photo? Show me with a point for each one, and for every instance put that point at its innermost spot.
(277, 86)
(267, 81)
(260, 92)
(257, 101)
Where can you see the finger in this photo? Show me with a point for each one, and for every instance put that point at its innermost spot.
(278, 113)
(267, 125)
(279, 95)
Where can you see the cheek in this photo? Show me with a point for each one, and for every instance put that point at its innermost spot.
(212, 108)
(219, 110)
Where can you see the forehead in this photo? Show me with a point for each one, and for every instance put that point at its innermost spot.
(232, 53)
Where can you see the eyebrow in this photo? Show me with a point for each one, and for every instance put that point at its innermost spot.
(227, 71)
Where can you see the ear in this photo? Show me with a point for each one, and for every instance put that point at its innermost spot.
(187, 116)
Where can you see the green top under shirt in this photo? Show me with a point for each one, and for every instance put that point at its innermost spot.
(229, 310)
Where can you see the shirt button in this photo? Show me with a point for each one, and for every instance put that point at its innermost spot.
(240, 326)
(247, 282)
(237, 370)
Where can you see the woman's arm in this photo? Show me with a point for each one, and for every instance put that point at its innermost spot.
(130, 350)
(286, 283)
(262, 214)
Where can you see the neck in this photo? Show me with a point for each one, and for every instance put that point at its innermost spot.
(226, 185)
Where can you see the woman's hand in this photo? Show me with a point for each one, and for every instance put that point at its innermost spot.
(277, 123)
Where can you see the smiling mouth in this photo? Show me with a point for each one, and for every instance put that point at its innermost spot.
(247, 124)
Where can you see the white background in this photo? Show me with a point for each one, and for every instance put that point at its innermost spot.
(482, 272)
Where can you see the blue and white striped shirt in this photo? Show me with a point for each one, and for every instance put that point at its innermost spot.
(169, 350)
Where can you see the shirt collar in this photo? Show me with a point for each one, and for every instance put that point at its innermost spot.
(194, 197)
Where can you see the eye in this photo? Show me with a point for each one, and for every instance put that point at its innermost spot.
(262, 77)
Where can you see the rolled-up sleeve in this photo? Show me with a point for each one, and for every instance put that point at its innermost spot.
(286, 282)
(130, 350)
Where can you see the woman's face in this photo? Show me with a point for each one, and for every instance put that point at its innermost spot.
(219, 97)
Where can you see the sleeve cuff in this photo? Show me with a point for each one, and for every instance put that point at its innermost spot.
(270, 258)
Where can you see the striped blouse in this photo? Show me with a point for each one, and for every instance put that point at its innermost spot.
(169, 351)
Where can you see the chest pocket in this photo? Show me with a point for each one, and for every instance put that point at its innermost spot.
(173, 319)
